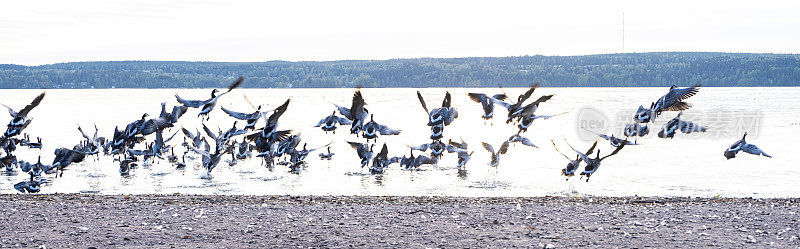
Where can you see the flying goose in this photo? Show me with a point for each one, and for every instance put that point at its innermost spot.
(742, 145)
(364, 151)
(413, 162)
(672, 127)
(573, 165)
(251, 118)
(515, 108)
(634, 129)
(329, 123)
(643, 115)
(615, 141)
(495, 156)
(516, 138)
(461, 150)
(381, 161)
(672, 101)
(19, 119)
(525, 122)
(209, 104)
(442, 115)
(487, 102)
(592, 164)
(164, 120)
(437, 148)
(372, 129)
(357, 114)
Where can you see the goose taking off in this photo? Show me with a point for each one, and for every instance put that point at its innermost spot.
(327, 156)
(372, 129)
(487, 102)
(672, 101)
(592, 164)
(413, 162)
(164, 120)
(572, 166)
(251, 118)
(364, 151)
(672, 127)
(381, 161)
(495, 156)
(357, 114)
(643, 115)
(19, 120)
(442, 115)
(209, 104)
(462, 150)
(742, 145)
(436, 146)
(516, 138)
(635, 129)
(329, 123)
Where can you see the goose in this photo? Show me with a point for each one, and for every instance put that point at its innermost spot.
(357, 114)
(572, 166)
(364, 151)
(251, 118)
(19, 120)
(516, 138)
(288, 146)
(643, 114)
(437, 148)
(265, 137)
(742, 145)
(127, 163)
(134, 128)
(36, 169)
(495, 156)
(302, 154)
(209, 104)
(672, 101)
(327, 156)
(615, 141)
(65, 157)
(329, 123)
(372, 129)
(381, 161)
(487, 102)
(634, 129)
(195, 138)
(32, 186)
(442, 115)
(525, 122)
(437, 132)
(8, 162)
(211, 160)
(244, 151)
(164, 120)
(9, 144)
(461, 150)
(413, 162)
(514, 108)
(676, 124)
(592, 164)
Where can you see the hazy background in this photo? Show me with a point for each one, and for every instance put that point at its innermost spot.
(44, 32)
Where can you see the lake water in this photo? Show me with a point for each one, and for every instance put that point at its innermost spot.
(688, 165)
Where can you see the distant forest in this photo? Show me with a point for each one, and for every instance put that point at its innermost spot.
(631, 69)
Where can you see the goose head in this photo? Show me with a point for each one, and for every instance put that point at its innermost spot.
(214, 93)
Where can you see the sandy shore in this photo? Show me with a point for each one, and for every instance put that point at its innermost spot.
(165, 221)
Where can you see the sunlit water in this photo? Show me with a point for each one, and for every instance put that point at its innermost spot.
(688, 165)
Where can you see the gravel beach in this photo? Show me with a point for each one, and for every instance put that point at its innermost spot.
(168, 221)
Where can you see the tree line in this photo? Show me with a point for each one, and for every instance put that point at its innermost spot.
(605, 70)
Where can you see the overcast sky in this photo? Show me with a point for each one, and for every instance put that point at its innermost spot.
(52, 31)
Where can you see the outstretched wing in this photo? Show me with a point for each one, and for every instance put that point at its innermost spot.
(33, 104)
(559, 152)
(343, 121)
(615, 151)
(278, 112)
(190, 103)
(422, 101)
(446, 102)
(677, 94)
(488, 147)
(527, 94)
(423, 147)
(238, 115)
(584, 157)
(477, 97)
(526, 141)
(753, 149)
(385, 130)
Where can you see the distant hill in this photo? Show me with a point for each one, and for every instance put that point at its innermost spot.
(631, 69)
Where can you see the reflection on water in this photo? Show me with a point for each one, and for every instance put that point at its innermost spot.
(683, 166)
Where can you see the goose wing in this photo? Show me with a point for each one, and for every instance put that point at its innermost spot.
(32, 105)
(422, 101)
(527, 94)
(615, 151)
(488, 147)
(240, 115)
(678, 94)
(477, 97)
(209, 132)
(559, 152)
(273, 119)
(446, 102)
(190, 103)
(385, 130)
(341, 120)
(753, 149)
(423, 147)
(584, 157)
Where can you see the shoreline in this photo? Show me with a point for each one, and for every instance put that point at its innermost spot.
(81, 220)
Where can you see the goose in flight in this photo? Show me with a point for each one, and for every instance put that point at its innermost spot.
(673, 126)
(742, 145)
(329, 123)
(635, 129)
(209, 104)
(495, 156)
(572, 166)
(413, 162)
(357, 114)
(673, 100)
(437, 148)
(615, 141)
(372, 129)
(164, 120)
(19, 120)
(441, 115)
(592, 164)
(461, 149)
(251, 118)
(487, 102)
(516, 138)
(364, 151)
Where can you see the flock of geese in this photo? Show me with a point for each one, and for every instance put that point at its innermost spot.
(149, 138)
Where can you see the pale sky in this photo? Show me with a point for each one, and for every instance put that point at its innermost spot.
(53, 31)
